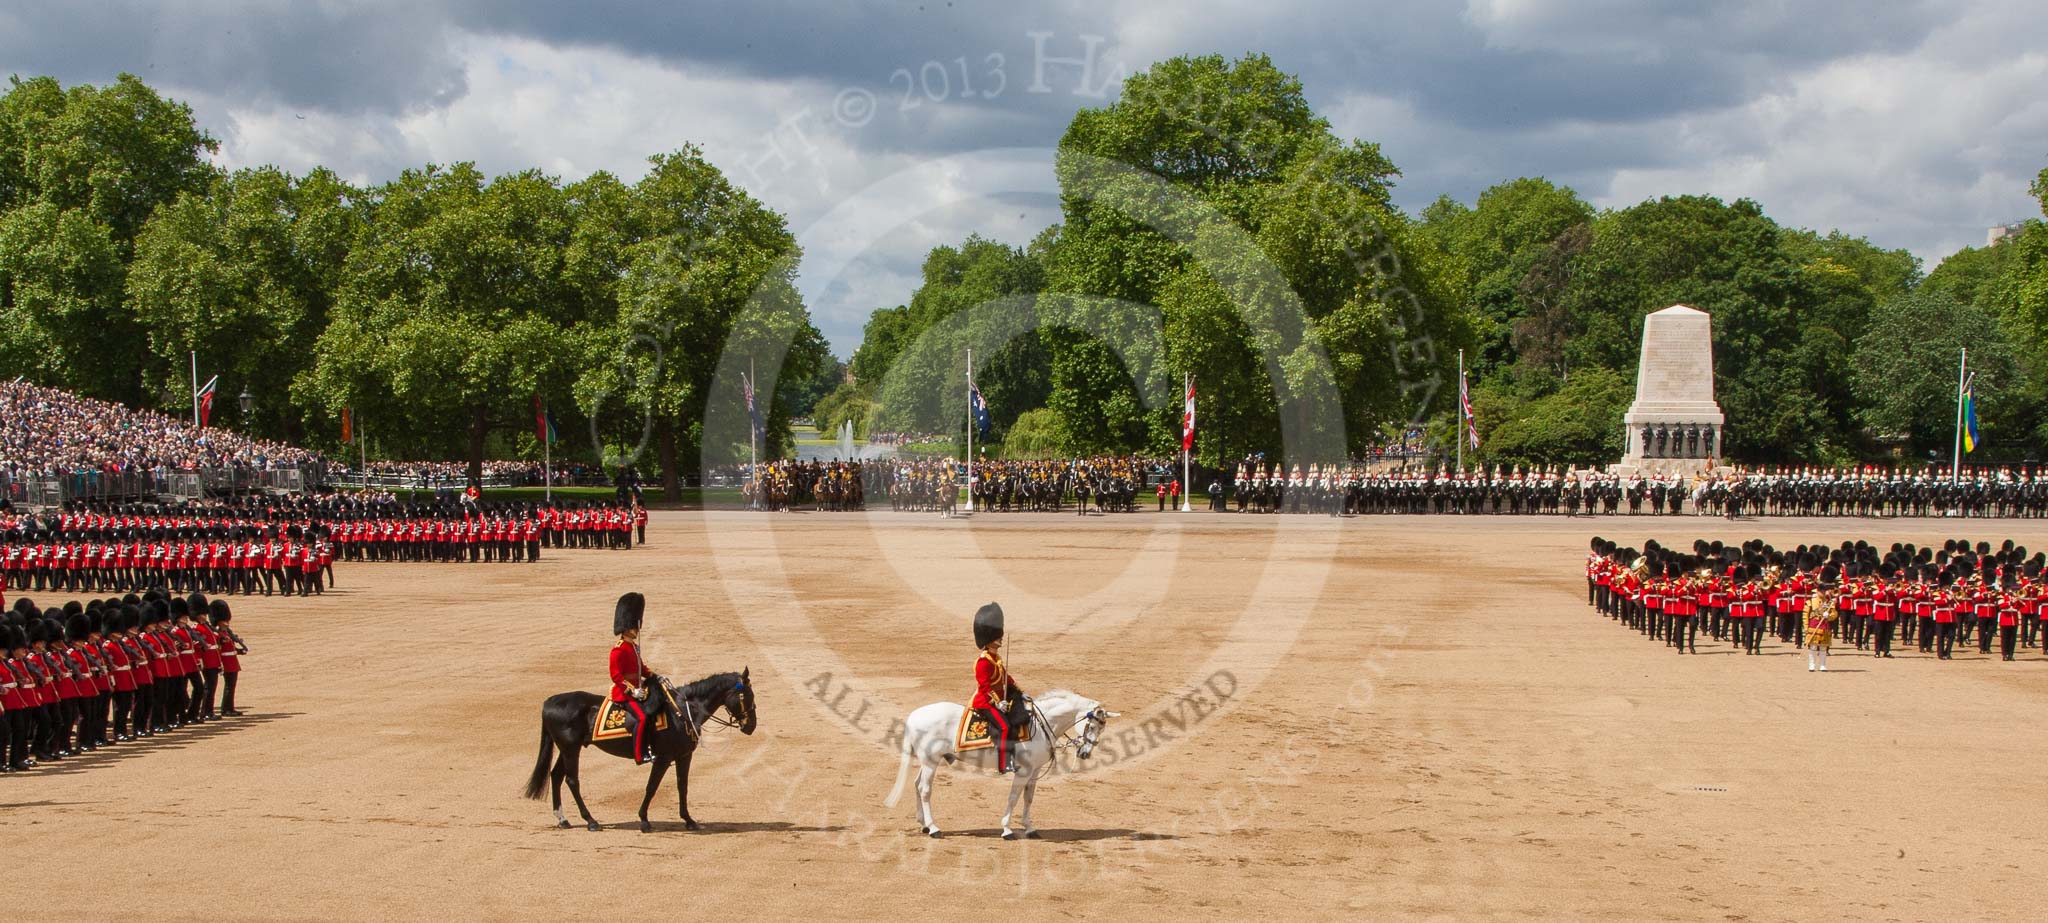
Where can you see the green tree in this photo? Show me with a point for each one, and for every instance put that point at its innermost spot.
(1579, 424)
(1906, 368)
(81, 171)
(1513, 250)
(1293, 228)
(976, 295)
(245, 276)
(693, 253)
(454, 312)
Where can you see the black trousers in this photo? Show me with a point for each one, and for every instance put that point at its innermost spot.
(18, 724)
(2008, 639)
(227, 692)
(210, 684)
(1927, 633)
(1944, 638)
(1884, 637)
(124, 708)
(195, 693)
(1984, 632)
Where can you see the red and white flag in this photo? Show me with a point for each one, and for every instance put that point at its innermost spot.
(1465, 407)
(206, 401)
(1187, 419)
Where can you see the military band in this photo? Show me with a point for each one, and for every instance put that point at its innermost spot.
(1928, 599)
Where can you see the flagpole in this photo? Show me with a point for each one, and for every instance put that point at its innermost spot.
(195, 389)
(1955, 465)
(1462, 423)
(1187, 487)
(547, 455)
(753, 452)
(970, 429)
(362, 448)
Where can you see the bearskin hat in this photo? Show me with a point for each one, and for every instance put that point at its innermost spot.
(218, 610)
(78, 627)
(988, 624)
(627, 614)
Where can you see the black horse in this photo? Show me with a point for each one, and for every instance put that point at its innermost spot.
(567, 721)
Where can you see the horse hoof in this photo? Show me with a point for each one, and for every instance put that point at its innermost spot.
(1031, 834)
(564, 825)
(646, 827)
(933, 833)
(594, 826)
(1008, 835)
(692, 825)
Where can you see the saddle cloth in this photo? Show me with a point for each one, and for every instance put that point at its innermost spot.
(611, 720)
(974, 732)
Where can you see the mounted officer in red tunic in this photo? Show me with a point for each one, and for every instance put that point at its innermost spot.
(996, 695)
(629, 674)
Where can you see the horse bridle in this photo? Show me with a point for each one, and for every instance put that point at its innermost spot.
(1067, 739)
(731, 721)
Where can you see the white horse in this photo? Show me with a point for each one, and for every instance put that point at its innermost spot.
(930, 736)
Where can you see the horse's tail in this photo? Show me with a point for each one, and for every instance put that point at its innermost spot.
(539, 779)
(902, 772)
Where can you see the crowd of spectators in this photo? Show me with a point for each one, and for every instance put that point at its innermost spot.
(48, 432)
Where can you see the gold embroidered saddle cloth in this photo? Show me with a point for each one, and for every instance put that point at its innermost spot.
(611, 719)
(974, 732)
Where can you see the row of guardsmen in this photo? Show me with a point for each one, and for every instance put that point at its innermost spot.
(242, 560)
(83, 677)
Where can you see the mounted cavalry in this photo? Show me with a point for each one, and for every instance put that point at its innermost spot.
(645, 719)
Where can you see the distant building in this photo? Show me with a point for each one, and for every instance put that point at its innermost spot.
(2002, 232)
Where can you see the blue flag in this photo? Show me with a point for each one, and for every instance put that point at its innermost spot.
(981, 418)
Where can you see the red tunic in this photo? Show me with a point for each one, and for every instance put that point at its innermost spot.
(626, 669)
(209, 647)
(992, 682)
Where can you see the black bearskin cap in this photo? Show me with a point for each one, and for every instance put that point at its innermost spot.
(988, 625)
(218, 610)
(626, 616)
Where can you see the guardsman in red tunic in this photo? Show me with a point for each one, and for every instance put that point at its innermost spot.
(17, 686)
(231, 651)
(995, 692)
(629, 674)
(209, 644)
(114, 648)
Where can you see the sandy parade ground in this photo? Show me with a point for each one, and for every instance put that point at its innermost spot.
(1363, 718)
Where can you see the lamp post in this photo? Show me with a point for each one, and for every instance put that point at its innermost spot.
(247, 401)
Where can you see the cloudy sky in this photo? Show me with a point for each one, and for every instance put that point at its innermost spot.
(883, 128)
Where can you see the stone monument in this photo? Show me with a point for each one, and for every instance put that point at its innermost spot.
(1674, 426)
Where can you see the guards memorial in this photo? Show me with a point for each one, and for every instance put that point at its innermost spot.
(1674, 426)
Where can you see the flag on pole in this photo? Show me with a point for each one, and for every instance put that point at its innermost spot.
(982, 420)
(1187, 419)
(348, 425)
(543, 421)
(206, 401)
(1465, 408)
(753, 413)
(1970, 437)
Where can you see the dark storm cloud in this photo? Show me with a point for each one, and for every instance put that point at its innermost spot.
(353, 57)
